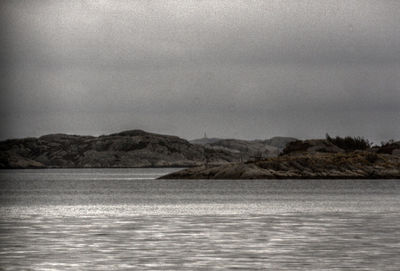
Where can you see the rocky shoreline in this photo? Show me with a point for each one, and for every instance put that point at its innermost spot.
(354, 165)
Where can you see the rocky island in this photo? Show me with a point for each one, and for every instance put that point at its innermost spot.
(307, 159)
(134, 148)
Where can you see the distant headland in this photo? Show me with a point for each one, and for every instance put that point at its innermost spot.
(134, 148)
(208, 158)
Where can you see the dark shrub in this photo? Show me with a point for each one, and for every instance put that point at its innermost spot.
(388, 147)
(349, 143)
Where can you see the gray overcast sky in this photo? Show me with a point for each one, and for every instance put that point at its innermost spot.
(244, 69)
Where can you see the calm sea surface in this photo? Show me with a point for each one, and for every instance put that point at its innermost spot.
(124, 219)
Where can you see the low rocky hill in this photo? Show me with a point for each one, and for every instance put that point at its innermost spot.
(248, 149)
(314, 165)
(310, 146)
(279, 142)
(205, 140)
(134, 148)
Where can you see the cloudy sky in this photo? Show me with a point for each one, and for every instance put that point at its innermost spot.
(244, 69)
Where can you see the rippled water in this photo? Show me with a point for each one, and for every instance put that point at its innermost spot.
(124, 219)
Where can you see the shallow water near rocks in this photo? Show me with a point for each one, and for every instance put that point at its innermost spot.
(125, 219)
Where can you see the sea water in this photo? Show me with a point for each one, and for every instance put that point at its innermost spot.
(126, 219)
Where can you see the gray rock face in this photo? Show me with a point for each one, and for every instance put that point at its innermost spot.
(134, 148)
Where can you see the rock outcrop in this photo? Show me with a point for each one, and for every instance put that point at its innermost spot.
(315, 165)
(134, 148)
